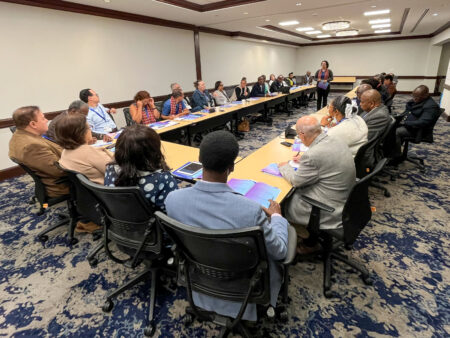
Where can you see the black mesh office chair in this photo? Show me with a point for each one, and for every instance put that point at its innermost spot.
(360, 159)
(355, 216)
(128, 119)
(421, 135)
(128, 221)
(45, 201)
(159, 105)
(227, 264)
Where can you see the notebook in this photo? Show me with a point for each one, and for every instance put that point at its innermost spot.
(162, 124)
(189, 117)
(272, 168)
(256, 191)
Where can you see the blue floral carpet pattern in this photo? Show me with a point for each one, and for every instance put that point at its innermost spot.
(49, 291)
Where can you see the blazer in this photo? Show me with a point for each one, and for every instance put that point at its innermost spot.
(216, 206)
(377, 121)
(87, 160)
(200, 100)
(326, 174)
(421, 115)
(258, 90)
(307, 80)
(276, 86)
(352, 131)
(221, 97)
(238, 94)
(40, 155)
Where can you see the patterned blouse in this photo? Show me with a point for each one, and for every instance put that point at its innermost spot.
(155, 185)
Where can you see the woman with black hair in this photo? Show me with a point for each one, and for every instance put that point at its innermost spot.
(323, 77)
(345, 124)
(220, 95)
(140, 162)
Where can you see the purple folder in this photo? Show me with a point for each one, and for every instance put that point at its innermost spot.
(258, 192)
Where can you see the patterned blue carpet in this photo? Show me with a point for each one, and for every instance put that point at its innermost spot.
(52, 290)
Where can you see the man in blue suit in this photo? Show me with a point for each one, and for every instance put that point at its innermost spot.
(212, 204)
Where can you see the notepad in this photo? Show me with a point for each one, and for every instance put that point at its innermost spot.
(189, 117)
(272, 168)
(162, 124)
(189, 170)
(256, 191)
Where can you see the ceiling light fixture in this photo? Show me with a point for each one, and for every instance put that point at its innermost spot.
(289, 23)
(314, 32)
(298, 4)
(348, 32)
(377, 21)
(304, 29)
(245, 13)
(383, 25)
(107, 1)
(324, 36)
(373, 6)
(380, 31)
(435, 14)
(383, 11)
(267, 20)
(335, 25)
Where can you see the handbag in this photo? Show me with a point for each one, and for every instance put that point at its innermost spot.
(244, 126)
(322, 85)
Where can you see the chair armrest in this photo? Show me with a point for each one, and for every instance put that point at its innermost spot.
(291, 246)
(317, 204)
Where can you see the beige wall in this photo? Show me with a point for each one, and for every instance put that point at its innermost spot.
(402, 57)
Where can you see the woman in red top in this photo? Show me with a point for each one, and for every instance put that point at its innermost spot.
(143, 110)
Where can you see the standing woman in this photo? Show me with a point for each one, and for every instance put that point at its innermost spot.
(143, 110)
(323, 77)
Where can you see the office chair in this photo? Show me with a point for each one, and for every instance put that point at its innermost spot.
(13, 129)
(128, 119)
(362, 168)
(128, 221)
(355, 216)
(422, 135)
(45, 201)
(226, 264)
(159, 105)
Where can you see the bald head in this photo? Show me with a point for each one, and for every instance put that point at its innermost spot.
(370, 99)
(362, 88)
(308, 128)
(420, 94)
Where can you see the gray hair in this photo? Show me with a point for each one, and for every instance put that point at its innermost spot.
(76, 106)
(172, 85)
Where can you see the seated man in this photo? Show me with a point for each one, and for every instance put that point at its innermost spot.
(39, 154)
(174, 106)
(212, 204)
(98, 118)
(174, 86)
(278, 84)
(291, 80)
(308, 80)
(357, 101)
(421, 113)
(259, 89)
(326, 174)
(377, 119)
(76, 107)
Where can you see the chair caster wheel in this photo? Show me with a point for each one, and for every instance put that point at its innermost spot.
(43, 238)
(96, 237)
(149, 331)
(188, 319)
(387, 194)
(93, 262)
(367, 280)
(73, 241)
(328, 294)
(283, 316)
(108, 306)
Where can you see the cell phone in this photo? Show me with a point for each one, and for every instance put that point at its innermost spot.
(286, 144)
(191, 169)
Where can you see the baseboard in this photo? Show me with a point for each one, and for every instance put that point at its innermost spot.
(11, 173)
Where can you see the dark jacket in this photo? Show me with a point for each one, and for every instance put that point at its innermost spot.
(200, 100)
(330, 77)
(240, 93)
(276, 86)
(422, 115)
(258, 90)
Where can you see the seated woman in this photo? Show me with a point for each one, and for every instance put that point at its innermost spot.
(349, 127)
(220, 95)
(140, 162)
(241, 92)
(201, 98)
(143, 110)
(74, 135)
(272, 78)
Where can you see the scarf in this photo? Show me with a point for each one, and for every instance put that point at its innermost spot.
(147, 115)
(327, 74)
(173, 107)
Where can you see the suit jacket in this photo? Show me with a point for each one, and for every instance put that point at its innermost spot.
(421, 115)
(377, 121)
(276, 86)
(352, 131)
(326, 174)
(217, 206)
(40, 155)
(258, 90)
(308, 80)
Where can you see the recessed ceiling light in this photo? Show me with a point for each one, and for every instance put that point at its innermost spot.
(267, 20)
(289, 23)
(382, 31)
(335, 25)
(348, 32)
(435, 14)
(324, 36)
(245, 13)
(373, 6)
(383, 25)
(298, 4)
(107, 0)
(383, 11)
(304, 29)
(314, 32)
(377, 21)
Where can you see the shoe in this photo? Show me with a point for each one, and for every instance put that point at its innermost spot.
(89, 227)
(304, 250)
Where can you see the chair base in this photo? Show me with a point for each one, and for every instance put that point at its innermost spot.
(417, 161)
(382, 188)
(43, 237)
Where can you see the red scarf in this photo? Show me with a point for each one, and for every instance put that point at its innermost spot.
(173, 107)
(150, 118)
(327, 74)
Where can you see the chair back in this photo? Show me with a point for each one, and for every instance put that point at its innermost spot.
(128, 119)
(427, 134)
(386, 146)
(13, 129)
(85, 201)
(221, 263)
(357, 212)
(361, 158)
(127, 218)
(159, 105)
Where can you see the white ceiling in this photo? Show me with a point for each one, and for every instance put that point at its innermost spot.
(310, 13)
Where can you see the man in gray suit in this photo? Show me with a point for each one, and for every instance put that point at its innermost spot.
(377, 118)
(326, 174)
(212, 204)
